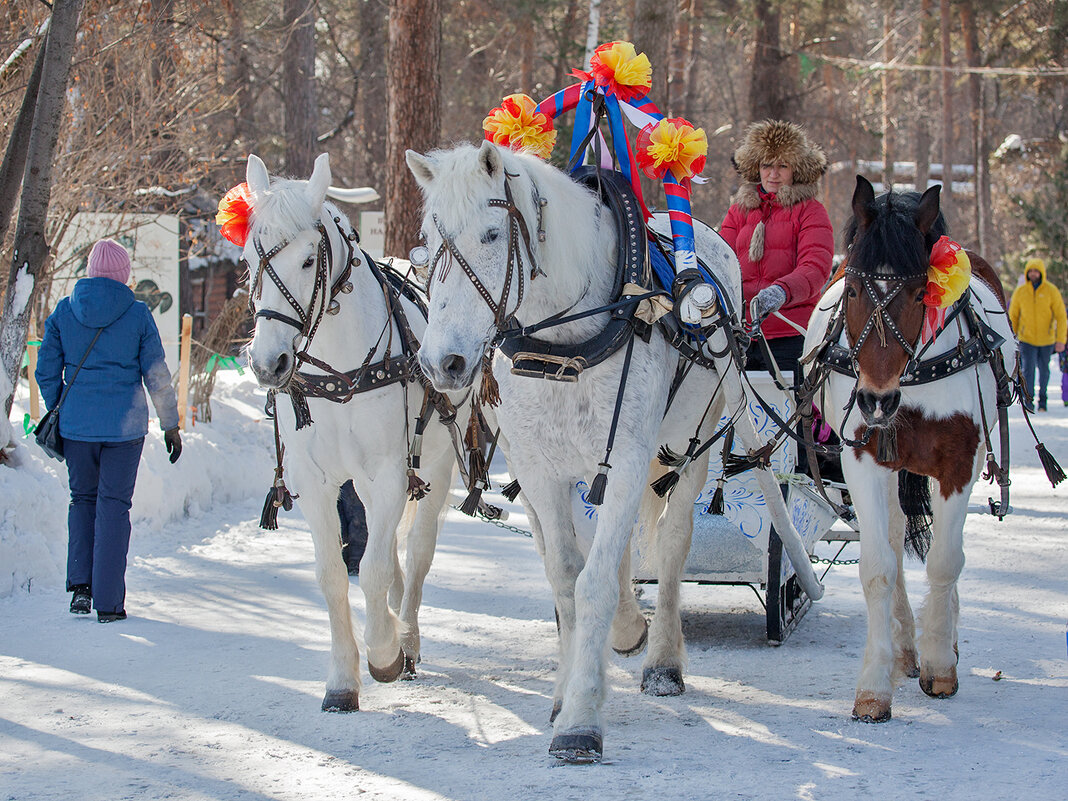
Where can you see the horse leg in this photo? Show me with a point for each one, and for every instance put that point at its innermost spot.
(878, 576)
(662, 672)
(319, 507)
(906, 664)
(578, 727)
(378, 570)
(422, 540)
(629, 627)
(554, 535)
(938, 619)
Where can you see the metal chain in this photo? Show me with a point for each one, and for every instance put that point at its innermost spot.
(498, 523)
(819, 560)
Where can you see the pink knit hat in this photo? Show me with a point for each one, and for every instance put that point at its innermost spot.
(109, 259)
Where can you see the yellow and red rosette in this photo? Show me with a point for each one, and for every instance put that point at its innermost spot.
(949, 274)
(618, 68)
(671, 144)
(517, 125)
(235, 210)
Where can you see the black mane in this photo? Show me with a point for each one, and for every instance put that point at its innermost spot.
(893, 241)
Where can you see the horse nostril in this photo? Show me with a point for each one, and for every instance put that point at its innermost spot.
(453, 365)
(866, 403)
(281, 365)
(890, 402)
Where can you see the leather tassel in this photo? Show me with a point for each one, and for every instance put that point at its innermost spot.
(886, 451)
(269, 515)
(470, 504)
(1053, 470)
(716, 506)
(668, 457)
(489, 393)
(734, 464)
(666, 483)
(511, 490)
(300, 408)
(417, 488)
(596, 494)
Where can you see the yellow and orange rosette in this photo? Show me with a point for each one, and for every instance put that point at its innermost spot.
(618, 68)
(949, 274)
(671, 144)
(235, 210)
(516, 124)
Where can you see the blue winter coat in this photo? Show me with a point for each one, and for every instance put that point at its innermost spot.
(106, 403)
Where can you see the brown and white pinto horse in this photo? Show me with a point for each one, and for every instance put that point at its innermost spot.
(903, 430)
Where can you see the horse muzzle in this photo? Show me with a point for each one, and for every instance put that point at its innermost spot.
(274, 372)
(878, 408)
(450, 372)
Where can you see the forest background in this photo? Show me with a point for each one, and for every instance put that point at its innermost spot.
(165, 98)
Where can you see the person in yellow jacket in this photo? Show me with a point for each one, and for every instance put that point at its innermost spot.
(1038, 317)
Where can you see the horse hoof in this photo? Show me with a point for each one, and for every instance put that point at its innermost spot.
(558, 704)
(579, 746)
(387, 674)
(637, 647)
(908, 664)
(408, 673)
(341, 701)
(941, 686)
(663, 681)
(871, 709)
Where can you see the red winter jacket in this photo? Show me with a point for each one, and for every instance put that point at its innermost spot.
(795, 252)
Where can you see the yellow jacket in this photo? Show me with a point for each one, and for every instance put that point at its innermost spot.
(1037, 314)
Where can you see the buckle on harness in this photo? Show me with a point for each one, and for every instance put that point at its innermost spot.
(569, 368)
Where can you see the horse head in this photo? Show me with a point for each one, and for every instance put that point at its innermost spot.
(889, 242)
(479, 212)
(287, 281)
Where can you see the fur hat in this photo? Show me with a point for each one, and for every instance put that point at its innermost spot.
(109, 259)
(772, 140)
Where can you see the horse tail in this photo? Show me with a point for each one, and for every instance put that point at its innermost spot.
(914, 495)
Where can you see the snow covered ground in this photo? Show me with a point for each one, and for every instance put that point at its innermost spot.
(211, 689)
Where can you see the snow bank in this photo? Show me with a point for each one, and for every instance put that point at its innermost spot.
(227, 460)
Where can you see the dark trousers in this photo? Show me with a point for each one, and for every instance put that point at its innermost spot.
(101, 476)
(1032, 356)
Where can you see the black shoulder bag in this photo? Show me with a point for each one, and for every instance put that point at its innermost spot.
(47, 431)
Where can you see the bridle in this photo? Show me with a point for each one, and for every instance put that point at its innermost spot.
(879, 320)
(518, 234)
(323, 299)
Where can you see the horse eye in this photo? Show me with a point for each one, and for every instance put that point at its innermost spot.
(490, 236)
(851, 292)
(921, 295)
(308, 262)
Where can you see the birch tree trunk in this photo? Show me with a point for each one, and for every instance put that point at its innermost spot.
(30, 255)
(18, 144)
(414, 87)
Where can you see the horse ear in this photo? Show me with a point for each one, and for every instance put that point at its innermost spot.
(490, 159)
(421, 167)
(928, 209)
(319, 181)
(256, 174)
(864, 202)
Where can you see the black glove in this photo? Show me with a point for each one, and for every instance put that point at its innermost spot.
(173, 440)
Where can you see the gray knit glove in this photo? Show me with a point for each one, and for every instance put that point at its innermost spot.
(767, 300)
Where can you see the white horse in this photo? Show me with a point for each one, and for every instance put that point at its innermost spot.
(936, 432)
(557, 431)
(308, 245)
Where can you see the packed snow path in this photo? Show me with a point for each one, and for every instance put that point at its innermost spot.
(211, 689)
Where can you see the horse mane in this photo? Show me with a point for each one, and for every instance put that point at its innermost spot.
(283, 211)
(892, 240)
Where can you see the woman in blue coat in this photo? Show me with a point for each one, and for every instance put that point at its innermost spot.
(104, 420)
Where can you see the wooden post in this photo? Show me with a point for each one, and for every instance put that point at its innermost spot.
(31, 355)
(183, 369)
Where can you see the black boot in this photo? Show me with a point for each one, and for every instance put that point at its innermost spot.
(110, 617)
(82, 602)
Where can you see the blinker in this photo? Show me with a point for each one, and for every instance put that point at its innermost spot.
(419, 256)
